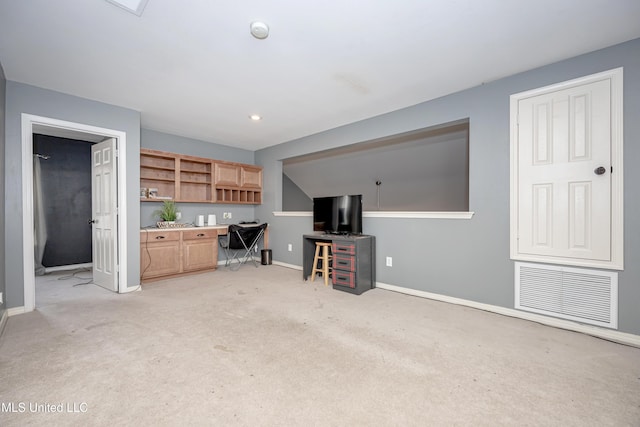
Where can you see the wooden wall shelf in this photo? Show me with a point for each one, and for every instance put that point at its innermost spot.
(192, 179)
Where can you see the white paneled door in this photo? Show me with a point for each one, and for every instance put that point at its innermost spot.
(104, 214)
(564, 173)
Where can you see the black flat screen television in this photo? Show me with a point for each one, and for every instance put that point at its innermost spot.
(338, 214)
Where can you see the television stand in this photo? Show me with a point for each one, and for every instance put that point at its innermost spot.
(353, 267)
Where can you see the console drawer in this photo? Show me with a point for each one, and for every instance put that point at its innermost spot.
(343, 248)
(344, 263)
(344, 278)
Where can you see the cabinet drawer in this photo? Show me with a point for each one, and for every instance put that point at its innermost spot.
(159, 236)
(199, 234)
(344, 248)
(344, 278)
(345, 263)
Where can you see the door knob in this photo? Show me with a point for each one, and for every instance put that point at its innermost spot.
(600, 170)
(91, 221)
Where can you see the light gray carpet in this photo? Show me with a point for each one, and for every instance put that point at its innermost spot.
(262, 347)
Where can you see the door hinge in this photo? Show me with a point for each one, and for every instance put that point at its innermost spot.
(611, 169)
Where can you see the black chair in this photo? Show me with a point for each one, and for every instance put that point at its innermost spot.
(240, 243)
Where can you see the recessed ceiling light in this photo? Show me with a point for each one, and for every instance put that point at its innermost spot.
(134, 6)
(255, 117)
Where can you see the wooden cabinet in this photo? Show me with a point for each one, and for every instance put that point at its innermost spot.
(251, 177)
(166, 253)
(159, 253)
(238, 183)
(194, 182)
(157, 175)
(199, 250)
(227, 174)
(191, 179)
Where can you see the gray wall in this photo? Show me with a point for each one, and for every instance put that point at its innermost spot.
(293, 198)
(469, 259)
(3, 241)
(177, 144)
(423, 173)
(21, 98)
(66, 199)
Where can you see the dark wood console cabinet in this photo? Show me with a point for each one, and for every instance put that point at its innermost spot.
(353, 260)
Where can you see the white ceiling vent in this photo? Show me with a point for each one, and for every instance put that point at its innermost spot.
(134, 6)
(582, 295)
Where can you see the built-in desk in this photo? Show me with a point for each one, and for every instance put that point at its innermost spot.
(167, 252)
(353, 260)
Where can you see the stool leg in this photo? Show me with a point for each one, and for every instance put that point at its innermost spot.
(315, 269)
(325, 264)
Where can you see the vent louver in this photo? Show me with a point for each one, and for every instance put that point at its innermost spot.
(582, 295)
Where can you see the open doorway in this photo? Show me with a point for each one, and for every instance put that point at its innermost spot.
(62, 215)
(52, 127)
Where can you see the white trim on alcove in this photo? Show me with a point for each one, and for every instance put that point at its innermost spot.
(390, 214)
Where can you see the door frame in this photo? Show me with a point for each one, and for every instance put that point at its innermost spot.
(617, 177)
(28, 123)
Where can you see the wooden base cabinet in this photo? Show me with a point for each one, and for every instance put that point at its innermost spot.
(166, 253)
(159, 254)
(199, 250)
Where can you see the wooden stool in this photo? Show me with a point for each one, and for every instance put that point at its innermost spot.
(324, 258)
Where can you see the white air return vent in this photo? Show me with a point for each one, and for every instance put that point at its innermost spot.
(578, 294)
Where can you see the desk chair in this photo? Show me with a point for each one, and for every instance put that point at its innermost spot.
(240, 242)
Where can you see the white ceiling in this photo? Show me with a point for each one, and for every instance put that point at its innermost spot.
(192, 68)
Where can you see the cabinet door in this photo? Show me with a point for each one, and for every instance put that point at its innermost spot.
(159, 254)
(251, 177)
(200, 254)
(199, 249)
(227, 174)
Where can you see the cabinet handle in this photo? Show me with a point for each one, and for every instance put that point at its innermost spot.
(201, 235)
(159, 237)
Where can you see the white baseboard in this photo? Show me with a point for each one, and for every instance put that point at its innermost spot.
(607, 334)
(284, 264)
(68, 267)
(15, 310)
(281, 264)
(3, 321)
